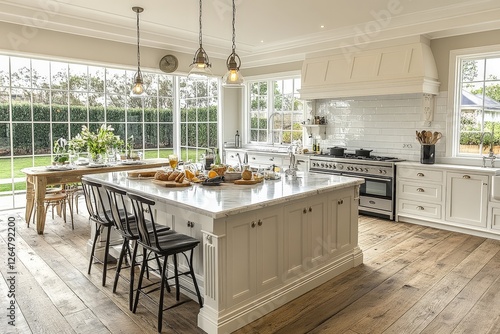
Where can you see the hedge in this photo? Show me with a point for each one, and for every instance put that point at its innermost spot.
(35, 126)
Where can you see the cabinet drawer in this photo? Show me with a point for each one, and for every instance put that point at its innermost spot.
(265, 160)
(419, 191)
(420, 174)
(419, 209)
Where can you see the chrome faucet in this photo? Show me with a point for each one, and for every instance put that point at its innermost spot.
(491, 156)
(269, 126)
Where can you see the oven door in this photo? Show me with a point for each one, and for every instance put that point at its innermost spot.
(378, 187)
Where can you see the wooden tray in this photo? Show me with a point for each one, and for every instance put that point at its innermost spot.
(241, 181)
(172, 184)
(143, 172)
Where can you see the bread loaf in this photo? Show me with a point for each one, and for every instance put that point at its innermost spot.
(173, 175)
(180, 178)
(161, 175)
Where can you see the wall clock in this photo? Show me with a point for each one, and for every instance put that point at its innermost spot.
(169, 63)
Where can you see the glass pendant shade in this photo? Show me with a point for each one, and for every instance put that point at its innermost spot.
(201, 64)
(233, 77)
(138, 88)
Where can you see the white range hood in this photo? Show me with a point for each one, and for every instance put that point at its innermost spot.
(402, 69)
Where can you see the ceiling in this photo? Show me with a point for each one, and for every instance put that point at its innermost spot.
(267, 31)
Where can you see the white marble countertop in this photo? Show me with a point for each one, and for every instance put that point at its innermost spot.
(451, 167)
(228, 198)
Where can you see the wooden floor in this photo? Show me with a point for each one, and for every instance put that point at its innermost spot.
(414, 280)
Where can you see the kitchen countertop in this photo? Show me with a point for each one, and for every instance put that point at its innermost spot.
(228, 198)
(451, 167)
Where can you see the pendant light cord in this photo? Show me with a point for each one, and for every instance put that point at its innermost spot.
(234, 30)
(200, 38)
(138, 49)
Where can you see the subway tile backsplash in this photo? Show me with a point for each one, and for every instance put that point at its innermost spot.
(385, 124)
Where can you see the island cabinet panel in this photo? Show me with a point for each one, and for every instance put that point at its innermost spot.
(189, 227)
(254, 253)
(341, 234)
(306, 226)
(467, 195)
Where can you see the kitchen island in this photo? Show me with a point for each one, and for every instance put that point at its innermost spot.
(262, 245)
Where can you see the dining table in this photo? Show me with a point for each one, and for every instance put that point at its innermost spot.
(38, 178)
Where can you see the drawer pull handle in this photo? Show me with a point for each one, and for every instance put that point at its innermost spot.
(420, 190)
(259, 222)
(420, 208)
(253, 224)
(420, 174)
(305, 210)
(271, 159)
(310, 209)
(340, 202)
(372, 202)
(466, 177)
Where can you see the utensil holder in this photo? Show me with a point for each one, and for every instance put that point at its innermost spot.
(427, 154)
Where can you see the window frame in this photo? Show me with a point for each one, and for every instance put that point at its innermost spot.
(454, 95)
(269, 79)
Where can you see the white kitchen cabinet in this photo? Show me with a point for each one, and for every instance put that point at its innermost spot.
(467, 198)
(452, 197)
(254, 253)
(305, 234)
(343, 206)
(419, 192)
(256, 159)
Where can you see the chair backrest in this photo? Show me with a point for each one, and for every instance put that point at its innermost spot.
(143, 211)
(120, 211)
(94, 201)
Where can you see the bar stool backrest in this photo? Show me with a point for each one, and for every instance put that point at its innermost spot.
(94, 201)
(121, 211)
(143, 212)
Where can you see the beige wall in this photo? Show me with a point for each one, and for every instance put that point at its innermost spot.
(441, 48)
(39, 42)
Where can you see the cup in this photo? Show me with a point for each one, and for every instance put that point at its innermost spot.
(173, 160)
(427, 154)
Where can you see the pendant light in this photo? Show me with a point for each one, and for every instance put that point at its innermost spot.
(201, 64)
(138, 89)
(233, 77)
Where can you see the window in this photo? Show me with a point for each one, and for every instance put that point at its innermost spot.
(477, 104)
(275, 114)
(42, 101)
(198, 116)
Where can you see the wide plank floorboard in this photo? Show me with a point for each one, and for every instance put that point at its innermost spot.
(414, 279)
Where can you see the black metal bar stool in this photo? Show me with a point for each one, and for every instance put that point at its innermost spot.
(165, 245)
(102, 220)
(125, 223)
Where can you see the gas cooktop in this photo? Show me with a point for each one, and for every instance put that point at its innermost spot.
(352, 156)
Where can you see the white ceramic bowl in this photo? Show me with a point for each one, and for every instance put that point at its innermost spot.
(232, 176)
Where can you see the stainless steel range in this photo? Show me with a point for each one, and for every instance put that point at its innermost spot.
(377, 194)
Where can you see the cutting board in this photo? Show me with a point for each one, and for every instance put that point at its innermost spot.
(142, 172)
(172, 184)
(247, 182)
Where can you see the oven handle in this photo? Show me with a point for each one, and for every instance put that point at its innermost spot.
(378, 179)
